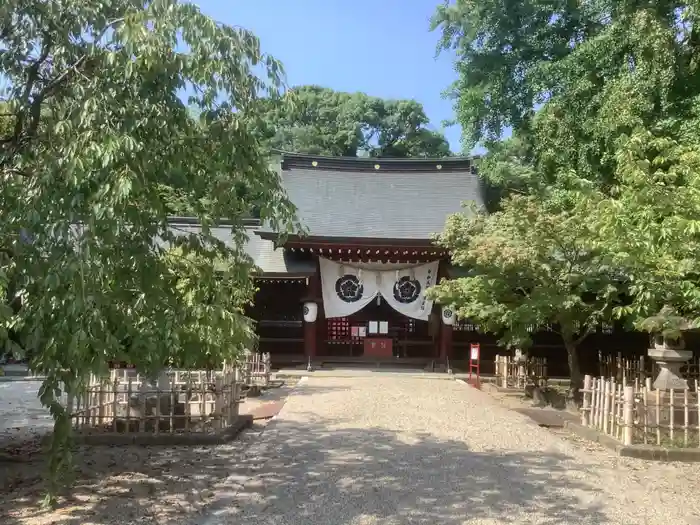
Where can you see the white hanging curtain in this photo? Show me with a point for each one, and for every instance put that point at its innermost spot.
(348, 289)
(405, 289)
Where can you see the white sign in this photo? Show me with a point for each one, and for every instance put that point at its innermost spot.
(474, 352)
(383, 327)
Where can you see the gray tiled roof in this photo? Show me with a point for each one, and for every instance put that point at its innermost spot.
(263, 252)
(366, 204)
(340, 197)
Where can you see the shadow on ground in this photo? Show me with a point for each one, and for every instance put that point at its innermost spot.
(298, 473)
(132, 484)
(322, 472)
(307, 474)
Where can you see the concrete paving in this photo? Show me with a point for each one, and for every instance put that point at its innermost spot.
(21, 413)
(404, 450)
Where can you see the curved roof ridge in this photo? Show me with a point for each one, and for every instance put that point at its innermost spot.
(378, 164)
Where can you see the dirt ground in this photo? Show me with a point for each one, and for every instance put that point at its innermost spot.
(124, 484)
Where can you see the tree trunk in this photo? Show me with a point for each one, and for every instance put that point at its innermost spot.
(574, 370)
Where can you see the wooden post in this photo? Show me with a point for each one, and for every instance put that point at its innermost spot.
(606, 405)
(599, 402)
(686, 417)
(313, 295)
(586, 408)
(658, 416)
(672, 410)
(310, 339)
(627, 415)
(645, 400)
(445, 341)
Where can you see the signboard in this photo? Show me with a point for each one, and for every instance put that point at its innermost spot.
(474, 363)
(474, 355)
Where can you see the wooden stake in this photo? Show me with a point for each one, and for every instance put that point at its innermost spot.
(157, 425)
(173, 402)
(188, 406)
(203, 403)
(115, 411)
(101, 403)
(697, 397)
(686, 418)
(645, 400)
(129, 393)
(658, 417)
(620, 410)
(613, 408)
(218, 399)
(586, 408)
(606, 406)
(671, 404)
(628, 415)
(601, 387)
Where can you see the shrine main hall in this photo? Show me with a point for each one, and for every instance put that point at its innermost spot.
(352, 288)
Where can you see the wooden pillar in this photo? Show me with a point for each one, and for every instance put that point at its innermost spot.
(445, 341)
(310, 339)
(312, 300)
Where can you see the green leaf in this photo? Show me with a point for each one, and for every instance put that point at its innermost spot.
(104, 146)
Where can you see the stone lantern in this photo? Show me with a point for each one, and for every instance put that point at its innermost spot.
(668, 349)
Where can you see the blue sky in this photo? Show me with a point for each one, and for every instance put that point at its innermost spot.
(381, 47)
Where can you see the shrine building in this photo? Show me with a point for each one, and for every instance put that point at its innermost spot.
(352, 288)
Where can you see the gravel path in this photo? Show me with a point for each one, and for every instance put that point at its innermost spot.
(400, 450)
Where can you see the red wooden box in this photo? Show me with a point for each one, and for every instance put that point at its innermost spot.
(378, 347)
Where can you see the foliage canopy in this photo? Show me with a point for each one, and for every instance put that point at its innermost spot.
(321, 121)
(100, 97)
(602, 100)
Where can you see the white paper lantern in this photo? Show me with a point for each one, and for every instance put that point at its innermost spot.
(310, 312)
(448, 315)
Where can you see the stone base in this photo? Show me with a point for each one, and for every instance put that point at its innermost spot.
(668, 380)
(670, 361)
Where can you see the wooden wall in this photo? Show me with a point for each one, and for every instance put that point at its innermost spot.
(608, 340)
(278, 311)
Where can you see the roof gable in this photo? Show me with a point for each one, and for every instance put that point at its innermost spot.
(378, 198)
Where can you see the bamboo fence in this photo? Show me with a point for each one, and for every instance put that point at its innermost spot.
(624, 370)
(513, 373)
(256, 370)
(641, 415)
(635, 371)
(126, 402)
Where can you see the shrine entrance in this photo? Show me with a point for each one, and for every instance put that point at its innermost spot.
(378, 310)
(379, 331)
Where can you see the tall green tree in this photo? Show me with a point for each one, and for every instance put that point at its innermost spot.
(649, 223)
(322, 121)
(533, 266)
(573, 77)
(100, 126)
(604, 92)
